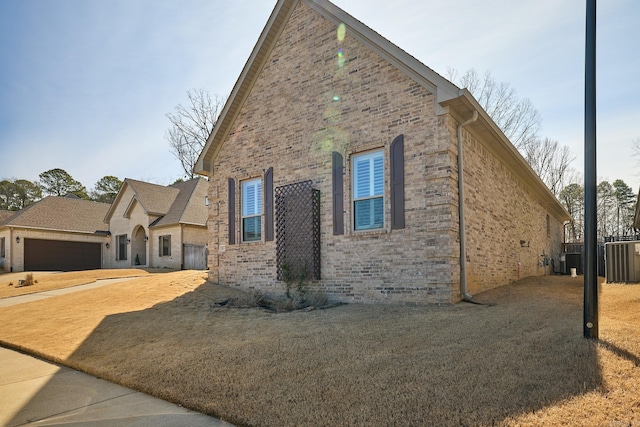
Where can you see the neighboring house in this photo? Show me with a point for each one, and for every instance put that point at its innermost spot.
(156, 226)
(55, 233)
(148, 225)
(335, 159)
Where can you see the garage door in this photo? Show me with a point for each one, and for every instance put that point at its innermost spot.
(57, 255)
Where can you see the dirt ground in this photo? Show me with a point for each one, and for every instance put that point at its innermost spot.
(516, 359)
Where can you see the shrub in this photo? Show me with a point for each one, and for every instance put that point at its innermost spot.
(28, 281)
(297, 295)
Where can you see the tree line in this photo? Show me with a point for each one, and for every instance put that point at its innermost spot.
(16, 194)
(616, 204)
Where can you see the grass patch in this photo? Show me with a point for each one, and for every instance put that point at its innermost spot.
(518, 360)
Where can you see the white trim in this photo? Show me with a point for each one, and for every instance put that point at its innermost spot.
(371, 195)
(254, 185)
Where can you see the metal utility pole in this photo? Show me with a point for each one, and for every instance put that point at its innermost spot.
(590, 325)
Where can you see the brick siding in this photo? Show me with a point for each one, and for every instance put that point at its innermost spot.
(317, 95)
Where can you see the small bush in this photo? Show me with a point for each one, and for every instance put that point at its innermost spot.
(295, 301)
(28, 281)
(297, 294)
(246, 300)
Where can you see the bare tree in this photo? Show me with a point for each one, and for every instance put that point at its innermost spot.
(191, 126)
(635, 148)
(550, 161)
(605, 210)
(572, 197)
(518, 119)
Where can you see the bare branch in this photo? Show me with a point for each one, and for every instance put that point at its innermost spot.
(191, 126)
(551, 161)
(518, 119)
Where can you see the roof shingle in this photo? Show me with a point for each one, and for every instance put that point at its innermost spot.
(155, 199)
(189, 206)
(5, 215)
(62, 213)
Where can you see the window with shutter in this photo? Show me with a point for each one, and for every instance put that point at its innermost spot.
(368, 191)
(252, 210)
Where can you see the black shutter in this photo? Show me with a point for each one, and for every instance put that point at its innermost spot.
(337, 192)
(268, 205)
(232, 211)
(397, 183)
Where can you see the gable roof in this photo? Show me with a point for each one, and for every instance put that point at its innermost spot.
(155, 199)
(62, 214)
(449, 98)
(441, 87)
(180, 203)
(189, 206)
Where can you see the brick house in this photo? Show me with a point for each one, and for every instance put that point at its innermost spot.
(336, 158)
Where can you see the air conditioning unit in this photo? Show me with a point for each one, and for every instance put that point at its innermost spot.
(622, 262)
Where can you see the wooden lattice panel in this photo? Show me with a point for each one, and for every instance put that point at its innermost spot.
(298, 230)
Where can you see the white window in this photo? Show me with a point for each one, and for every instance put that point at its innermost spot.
(2, 250)
(252, 210)
(368, 191)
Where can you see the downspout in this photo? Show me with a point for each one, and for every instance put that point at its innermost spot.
(463, 257)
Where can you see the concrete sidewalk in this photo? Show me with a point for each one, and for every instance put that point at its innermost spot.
(20, 299)
(34, 392)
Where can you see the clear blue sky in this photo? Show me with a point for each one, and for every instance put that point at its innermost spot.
(85, 85)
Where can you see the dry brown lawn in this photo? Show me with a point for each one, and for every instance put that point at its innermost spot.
(517, 360)
(47, 281)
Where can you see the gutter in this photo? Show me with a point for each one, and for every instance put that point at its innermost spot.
(463, 257)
